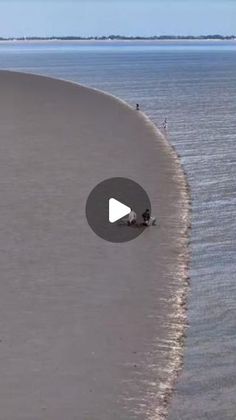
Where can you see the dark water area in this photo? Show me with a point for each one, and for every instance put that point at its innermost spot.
(194, 86)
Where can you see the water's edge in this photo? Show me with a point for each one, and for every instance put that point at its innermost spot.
(176, 360)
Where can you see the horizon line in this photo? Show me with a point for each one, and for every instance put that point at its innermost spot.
(117, 37)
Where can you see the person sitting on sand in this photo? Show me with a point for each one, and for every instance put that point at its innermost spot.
(146, 217)
(148, 220)
(132, 218)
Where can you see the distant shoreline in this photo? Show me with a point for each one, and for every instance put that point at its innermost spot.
(124, 38)
(124, 42)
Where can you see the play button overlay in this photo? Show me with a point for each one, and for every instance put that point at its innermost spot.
(108, 207)
(117, 210)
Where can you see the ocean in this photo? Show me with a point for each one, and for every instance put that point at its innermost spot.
(193, 85)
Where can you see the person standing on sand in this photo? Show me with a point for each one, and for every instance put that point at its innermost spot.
(137, 107)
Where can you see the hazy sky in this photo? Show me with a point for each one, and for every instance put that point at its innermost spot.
(128, 17)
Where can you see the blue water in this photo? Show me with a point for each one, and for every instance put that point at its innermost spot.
(194, 86)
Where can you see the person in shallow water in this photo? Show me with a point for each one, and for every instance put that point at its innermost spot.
(165, 124)
(132, 218)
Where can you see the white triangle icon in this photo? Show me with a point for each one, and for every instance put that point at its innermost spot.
(117, 210)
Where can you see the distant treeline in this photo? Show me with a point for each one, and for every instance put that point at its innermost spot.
(120, 38)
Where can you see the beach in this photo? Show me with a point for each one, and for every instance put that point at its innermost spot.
(86, 326)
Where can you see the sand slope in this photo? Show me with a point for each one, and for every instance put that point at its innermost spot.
(87, 327)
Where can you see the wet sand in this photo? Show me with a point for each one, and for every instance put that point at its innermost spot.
(89, 330)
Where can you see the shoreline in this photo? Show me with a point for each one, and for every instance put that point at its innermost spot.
(115, 41)
(181, 299)
(180, 288)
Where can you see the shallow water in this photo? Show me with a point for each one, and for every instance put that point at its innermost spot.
(195, 87)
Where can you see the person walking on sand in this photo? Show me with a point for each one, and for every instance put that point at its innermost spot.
(137, 107)
(132, 218)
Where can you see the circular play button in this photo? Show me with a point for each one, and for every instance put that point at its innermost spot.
(109, 206)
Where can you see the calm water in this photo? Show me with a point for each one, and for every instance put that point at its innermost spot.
(194, 85)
